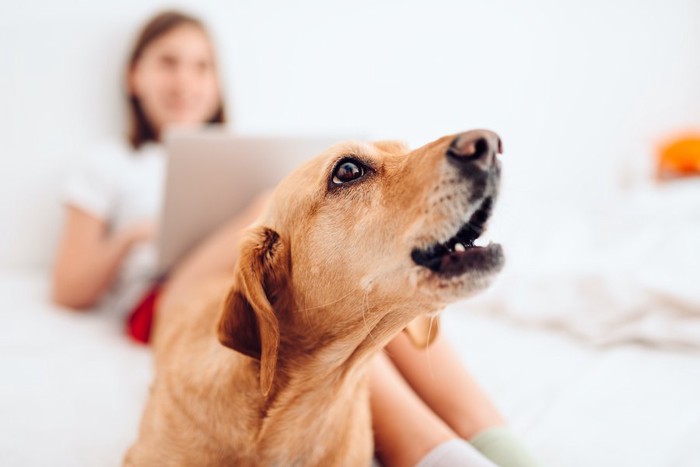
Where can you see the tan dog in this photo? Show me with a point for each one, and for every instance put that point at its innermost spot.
(353, 246)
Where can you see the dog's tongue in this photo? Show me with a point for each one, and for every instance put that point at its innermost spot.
(455, 261)
(452, 258)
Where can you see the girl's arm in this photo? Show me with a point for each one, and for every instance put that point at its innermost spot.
(89, 257)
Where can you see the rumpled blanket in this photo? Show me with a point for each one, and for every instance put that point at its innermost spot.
(628, 271)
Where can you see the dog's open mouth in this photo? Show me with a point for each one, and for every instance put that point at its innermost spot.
(466, 250)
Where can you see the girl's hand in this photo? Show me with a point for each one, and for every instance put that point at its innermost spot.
(142, 231)
(89, 257)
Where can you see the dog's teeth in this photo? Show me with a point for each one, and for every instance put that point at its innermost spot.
(482, 242)
(459, 247)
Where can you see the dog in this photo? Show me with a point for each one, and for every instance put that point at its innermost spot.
(269, 368)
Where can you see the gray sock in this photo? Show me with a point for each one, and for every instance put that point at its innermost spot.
(454, 453)
(503, 447)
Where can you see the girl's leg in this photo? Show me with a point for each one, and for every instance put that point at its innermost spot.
(406, 432)
(405, 429)
(438, 376)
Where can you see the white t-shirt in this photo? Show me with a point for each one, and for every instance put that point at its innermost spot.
(122, 186)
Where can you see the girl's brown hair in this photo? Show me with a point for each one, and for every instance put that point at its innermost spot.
(140, 129)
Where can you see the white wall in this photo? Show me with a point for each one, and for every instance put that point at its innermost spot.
(576, 89)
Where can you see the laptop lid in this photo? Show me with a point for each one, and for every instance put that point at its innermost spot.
(212, 175)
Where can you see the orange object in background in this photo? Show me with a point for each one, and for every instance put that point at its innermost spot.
(679, 158)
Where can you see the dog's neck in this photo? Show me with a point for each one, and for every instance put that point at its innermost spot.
(332, 355)
(333, 365)
(324, 388)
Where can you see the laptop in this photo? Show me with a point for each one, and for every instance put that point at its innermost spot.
(212, 175)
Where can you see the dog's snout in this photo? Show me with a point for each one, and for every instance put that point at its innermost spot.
(474, 148)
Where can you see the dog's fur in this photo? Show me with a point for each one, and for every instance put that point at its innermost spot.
(324, 280)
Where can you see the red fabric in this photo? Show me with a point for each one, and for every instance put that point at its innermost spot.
(140, 320)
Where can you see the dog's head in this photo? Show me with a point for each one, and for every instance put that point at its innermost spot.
(361, 241)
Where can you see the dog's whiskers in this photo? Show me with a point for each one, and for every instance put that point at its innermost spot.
(365, 299)
(304, 311)
(308, 321)
(329, 303)
(427, 349)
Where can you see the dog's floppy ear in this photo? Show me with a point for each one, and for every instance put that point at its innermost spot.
(423, 330)
(248, 322)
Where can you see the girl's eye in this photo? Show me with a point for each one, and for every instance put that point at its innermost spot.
(347, 171)
(168, 61)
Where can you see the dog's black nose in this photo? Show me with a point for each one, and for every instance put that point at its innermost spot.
(474, 148)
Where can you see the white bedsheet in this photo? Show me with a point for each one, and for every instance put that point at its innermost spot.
(73, 387)
(72, 384)
(623, 272)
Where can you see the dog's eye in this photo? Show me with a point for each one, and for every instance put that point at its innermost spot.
(347, 171)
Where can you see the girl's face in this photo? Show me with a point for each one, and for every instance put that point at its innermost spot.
(175, 79)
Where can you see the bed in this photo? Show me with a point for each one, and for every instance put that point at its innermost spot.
(73, 387)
